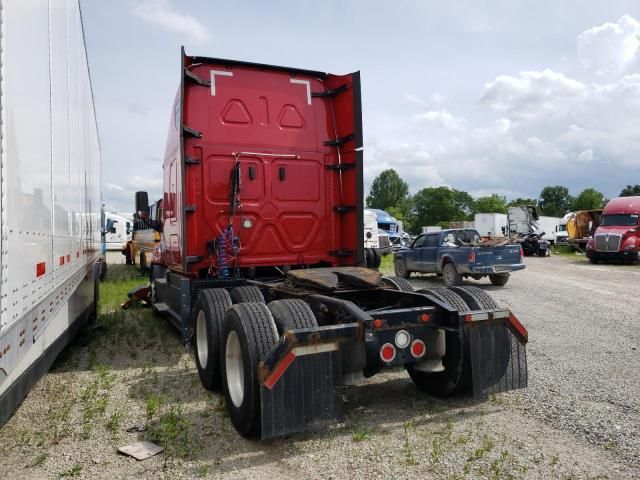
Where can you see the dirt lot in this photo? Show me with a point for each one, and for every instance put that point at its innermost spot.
(130, 379)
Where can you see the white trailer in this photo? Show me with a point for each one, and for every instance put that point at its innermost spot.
(490, 224)
(117, 231)
(50, 230)
(549, 225)
(370, 229)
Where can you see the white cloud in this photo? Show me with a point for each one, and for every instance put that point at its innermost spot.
(611, 48)
(586, 156)
(441, 119)
(114, 187)
(533, 94)
(162, 14)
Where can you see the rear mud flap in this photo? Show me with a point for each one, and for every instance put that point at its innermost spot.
(498, 359)
(301, 392)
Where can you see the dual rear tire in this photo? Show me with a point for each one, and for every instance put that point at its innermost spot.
(231, 339)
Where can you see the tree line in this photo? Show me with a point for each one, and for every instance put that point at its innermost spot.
(441, 205)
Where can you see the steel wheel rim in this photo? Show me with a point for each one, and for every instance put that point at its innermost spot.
(234, 368)
(447, 274)
(201, 339)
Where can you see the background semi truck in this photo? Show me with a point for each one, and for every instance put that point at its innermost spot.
(117, 231)
(617, 237)
(260, 261)
(51, 228)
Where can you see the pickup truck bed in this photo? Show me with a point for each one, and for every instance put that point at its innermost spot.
(453, 254)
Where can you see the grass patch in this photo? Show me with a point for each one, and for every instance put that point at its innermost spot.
(172, 431)
(73, 472)
(360, 434)
(386, 265)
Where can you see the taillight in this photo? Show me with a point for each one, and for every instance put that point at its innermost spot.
(402, 339)
(387, 352)
(521, 252)
(418, 348)
(472, 256)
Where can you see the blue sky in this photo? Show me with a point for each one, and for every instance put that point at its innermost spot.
(493, 96)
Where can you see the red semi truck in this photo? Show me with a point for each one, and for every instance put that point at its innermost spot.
(261, 261)
(617, 237)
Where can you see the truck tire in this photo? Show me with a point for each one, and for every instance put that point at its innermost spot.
(476, 298)
(246, 294)
(127, 256)
(377, 258)
(450, 275)
(499, 279)
(400, 268)
(397, 283)
(291, 314)
(368, 260)
(209, 310)
(143, 262)
(249, 334)
(456, 377)
(447, 296)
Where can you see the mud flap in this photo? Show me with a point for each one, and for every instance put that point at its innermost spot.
(498, 359)
(301, 392)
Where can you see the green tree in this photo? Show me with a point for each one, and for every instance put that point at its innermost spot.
(523, 202)
(403, 212)
(440, 205)
(630, 191)
(588, 199)
(555, 200)
(491, 204)
(388, 190)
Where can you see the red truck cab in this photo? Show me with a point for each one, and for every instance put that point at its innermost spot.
(618, 236)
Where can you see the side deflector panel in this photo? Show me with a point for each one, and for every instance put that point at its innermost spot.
(347, 112)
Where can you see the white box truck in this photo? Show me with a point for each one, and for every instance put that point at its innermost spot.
(549, 225)
(490, 224)
(50, 230)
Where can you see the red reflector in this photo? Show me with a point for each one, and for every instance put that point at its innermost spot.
(468, 317)
(418, 348)
(424, 318)
(377, 323)
(41, 269)
(387, 352)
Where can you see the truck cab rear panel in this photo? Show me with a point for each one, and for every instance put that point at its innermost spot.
(292, 137)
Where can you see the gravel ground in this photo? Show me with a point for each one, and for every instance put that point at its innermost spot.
(132, 380)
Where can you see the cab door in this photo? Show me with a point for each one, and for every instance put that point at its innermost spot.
(430, 252)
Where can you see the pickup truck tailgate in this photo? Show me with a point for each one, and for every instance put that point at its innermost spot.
(498, 259)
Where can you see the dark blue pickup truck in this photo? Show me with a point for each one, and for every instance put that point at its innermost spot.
(458, 254)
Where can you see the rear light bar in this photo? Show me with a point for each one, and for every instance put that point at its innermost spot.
(480, 316)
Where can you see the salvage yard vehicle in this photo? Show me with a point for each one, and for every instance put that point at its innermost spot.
(260, 262)
(617, 238)
(146, 235)
(456, 254)
(50, 229)
(376, 241)
(581, 225)
(523, 224)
